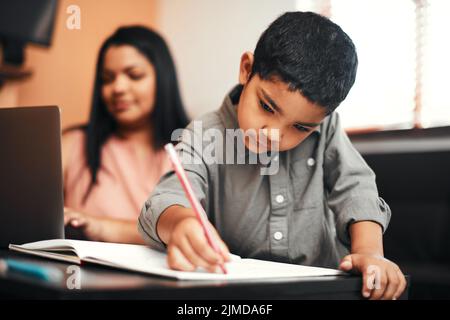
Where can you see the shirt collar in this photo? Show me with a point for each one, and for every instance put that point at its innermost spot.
(228, 110)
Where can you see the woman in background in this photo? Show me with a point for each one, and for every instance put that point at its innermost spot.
(112, 163)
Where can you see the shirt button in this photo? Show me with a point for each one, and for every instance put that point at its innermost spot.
(311, 162)
(278, 235)
(279, 198)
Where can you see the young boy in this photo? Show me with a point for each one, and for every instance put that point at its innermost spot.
(322, 195)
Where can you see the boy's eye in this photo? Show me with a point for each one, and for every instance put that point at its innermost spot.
(266, 107)
(301, 128)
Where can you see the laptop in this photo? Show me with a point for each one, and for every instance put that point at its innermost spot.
(31, 186)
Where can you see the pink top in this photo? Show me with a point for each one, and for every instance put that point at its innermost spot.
(124, 181)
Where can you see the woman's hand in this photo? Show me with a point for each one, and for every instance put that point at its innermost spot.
(90, 226)
(102, 228)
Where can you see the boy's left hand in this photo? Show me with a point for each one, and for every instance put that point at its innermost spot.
(382, 279)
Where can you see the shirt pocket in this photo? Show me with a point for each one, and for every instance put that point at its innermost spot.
(307, 232)
(306, 185)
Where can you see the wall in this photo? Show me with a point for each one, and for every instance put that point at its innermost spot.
(63, 75)
(207, 39)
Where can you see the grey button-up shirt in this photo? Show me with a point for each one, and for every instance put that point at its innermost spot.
(299, 215)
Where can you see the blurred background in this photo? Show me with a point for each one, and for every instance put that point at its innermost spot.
(397, 114)
(401, 45)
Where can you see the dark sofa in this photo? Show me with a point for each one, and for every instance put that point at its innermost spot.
(413, 176)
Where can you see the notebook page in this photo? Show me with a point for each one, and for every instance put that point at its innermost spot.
(143, 259)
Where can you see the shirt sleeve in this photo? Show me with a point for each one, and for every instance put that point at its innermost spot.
(169, 191)
(352, 193)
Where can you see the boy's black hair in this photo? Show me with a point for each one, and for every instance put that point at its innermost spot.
(311, 54)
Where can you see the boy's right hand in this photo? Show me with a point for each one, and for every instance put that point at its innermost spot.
(188, 247)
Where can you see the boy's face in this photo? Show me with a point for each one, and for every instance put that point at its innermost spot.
(276, 114)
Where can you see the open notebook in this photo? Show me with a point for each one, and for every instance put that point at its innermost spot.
(143, 259)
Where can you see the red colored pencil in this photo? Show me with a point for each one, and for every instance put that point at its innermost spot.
(198, 209)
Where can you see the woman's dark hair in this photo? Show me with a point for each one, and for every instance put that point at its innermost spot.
(311, 54)
(168, 113)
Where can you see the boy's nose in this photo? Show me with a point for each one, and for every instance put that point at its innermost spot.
(272, 134)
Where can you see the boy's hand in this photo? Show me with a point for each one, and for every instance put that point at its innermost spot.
(188, 247)
(382, 279)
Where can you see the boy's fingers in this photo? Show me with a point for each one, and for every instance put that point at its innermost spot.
(380, 286)
(225, 251)
(392, 286)
(402, 285)
(190, 254)
(368, 284)
(223, 247)
(346, 264)
(176, 260)
(201, 246)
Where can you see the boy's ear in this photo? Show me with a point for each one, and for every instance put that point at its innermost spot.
(245, 68)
